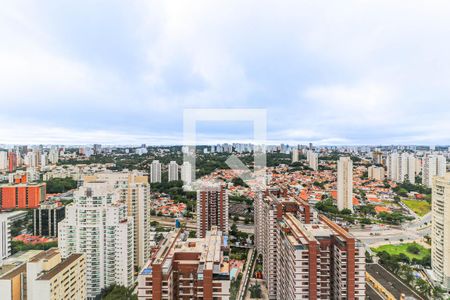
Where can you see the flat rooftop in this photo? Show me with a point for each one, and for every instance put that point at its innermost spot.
(59, 267)
(45, 255)
(390, 282)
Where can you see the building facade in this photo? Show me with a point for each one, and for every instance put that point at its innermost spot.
(47, 217)
(134, 190)
(433, 165)
(212, 209)
(440, 230)
(376, 173)
(186, 173)
(185, 268)
(21, 196)
(97, 225)
(345, 183)
(6, 221)
(44, 275)
(305, 256)
(155, 171)
(173, 171)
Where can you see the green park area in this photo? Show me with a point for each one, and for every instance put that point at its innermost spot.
(420, 207)
(412, 250)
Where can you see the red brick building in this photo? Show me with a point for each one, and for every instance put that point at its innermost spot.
(212, 209)
(12, 162)
(185, 268)
(306, 255)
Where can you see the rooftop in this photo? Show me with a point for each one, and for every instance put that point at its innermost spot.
(59, 267)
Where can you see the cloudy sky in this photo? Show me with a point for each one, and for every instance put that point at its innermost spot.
(121, 72)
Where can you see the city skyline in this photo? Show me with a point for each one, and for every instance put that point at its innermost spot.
(123, 73)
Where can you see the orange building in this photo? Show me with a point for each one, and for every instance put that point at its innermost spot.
(12, 161)
(21, 195)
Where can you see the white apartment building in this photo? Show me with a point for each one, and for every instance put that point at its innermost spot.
(97, 225)
(3, 160)
(376, 173)
(313, 159)
(295, 155)
(173, 171)
(392, 162)
(155, 171)
(401, 168)
(345, 183)
(440, 230)
(186, 173)
(134, 190)
(433, 165)
(6, 220)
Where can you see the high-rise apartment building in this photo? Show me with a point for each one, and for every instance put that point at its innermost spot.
(187, 268)
(50, 277)
(186, 173)
(97, 225)
(6, 221)
(314, 161)
(305, 256)
(173, 171)
(433, 165)
(134, 190)
(318, 261)
(376, 173)
(392, 163)
(3, 160)
(440, 230)
(12, 161)
(402, 167)
(155, 171)
(212, 209)
(47, 217)
(44, 275)
(21, 195)
(295, 155)
(345, 183)
(268, 206)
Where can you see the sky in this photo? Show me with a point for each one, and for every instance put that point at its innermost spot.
(123, 72)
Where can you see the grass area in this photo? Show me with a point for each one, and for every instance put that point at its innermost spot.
(419, 207)
(403, 248)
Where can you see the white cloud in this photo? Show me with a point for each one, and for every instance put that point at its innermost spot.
(361, 67)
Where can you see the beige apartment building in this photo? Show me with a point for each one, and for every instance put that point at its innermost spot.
(44, 275)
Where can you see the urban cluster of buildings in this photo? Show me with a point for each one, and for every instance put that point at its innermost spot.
(174, 172)
(305, 255)
(105, 237)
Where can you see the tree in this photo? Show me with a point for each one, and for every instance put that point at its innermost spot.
(413, 248)
(346, 211)
(423, 287)
(60, 185)
(118, 292)
(255, 291)
(402, 192)
(234, 230)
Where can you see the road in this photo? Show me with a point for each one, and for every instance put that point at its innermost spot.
(384, 234)
(247, 274)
